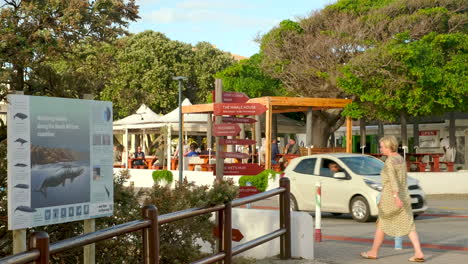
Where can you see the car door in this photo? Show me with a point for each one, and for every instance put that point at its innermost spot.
(304, 180)
(335, 192)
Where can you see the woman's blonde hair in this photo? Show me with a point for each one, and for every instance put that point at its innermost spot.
(390, 142)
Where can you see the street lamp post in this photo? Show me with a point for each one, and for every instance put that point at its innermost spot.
(181, 152)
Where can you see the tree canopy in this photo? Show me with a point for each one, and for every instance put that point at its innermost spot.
(247, 77)
(418, 78)
(146, 64)
(33, 32)
(345, 49)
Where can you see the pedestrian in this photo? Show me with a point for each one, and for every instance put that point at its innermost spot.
(395, 213)
(274, 151)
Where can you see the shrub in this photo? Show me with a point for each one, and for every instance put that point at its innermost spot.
(5, 236)
(260, 180)
(177, 239)
(163, 175)
(126, 208)
(222, 192)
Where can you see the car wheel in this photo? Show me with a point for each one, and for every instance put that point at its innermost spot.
(293, 203)
(360, 210)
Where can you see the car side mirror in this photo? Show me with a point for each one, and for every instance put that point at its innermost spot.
(339, 175)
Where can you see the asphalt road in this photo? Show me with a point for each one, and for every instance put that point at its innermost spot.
(443, 232)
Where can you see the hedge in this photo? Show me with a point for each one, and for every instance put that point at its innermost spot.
(260, 180)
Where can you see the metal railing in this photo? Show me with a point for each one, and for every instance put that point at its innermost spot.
(40, 248)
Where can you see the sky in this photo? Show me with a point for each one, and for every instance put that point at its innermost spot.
(230, 25)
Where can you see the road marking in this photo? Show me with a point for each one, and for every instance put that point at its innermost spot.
(430, 215)
(450, 208)
(391, 242)
(445, 215)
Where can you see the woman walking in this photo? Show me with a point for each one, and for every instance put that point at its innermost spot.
(395, 214)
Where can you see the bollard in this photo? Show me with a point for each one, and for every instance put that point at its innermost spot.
(318, 212)
(398, 243)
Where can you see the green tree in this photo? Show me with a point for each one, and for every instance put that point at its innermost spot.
(146, 64)
(32, 32)
(247, 76)
(308, 55)
(207, 61)
(419, 78)
(85, 70)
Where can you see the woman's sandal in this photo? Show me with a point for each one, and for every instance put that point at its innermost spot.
(364, 255)
(415, 259)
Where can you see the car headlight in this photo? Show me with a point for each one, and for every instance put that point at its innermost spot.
(374, 185)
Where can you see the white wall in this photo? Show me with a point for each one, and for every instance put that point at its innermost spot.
(431, 182)
(442, 182)
(143, 178)
(254, 223)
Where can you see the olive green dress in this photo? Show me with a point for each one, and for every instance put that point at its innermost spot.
(392, 220)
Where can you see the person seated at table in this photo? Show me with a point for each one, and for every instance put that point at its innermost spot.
(159, 158)
(274, 151)
(203, 150)
(334, 167)
(292, 147)
(139, 156)
(193, 151)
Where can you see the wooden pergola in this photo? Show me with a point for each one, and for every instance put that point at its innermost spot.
(275, 105)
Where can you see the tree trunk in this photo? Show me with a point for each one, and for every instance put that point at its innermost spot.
(17, 78)
(320, 130)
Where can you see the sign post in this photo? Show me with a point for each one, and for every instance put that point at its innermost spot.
(218, 120)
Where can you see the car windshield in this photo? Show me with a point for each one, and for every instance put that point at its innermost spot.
(363, 165)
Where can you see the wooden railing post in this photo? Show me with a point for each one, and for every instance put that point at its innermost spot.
(228, 233)
(151, 235)
(286, 215)
(281, 225)
(40, 241)
(220, 231)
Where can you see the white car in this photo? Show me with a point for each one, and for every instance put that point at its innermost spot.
(352, 190)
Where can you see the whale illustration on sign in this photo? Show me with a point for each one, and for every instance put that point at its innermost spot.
(20, 165)
(21, 141)
(25, 209)
(20, 116)
(107, 191)
(107, 114)
(22, 186)
(59, 179)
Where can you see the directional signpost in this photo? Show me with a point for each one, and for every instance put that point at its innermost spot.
(233, 104)
(221, 130)
(234, 97)
(242, 169)
(239, 120)
(239, 109)
(236, 141)
(237, 236)
(234, 155)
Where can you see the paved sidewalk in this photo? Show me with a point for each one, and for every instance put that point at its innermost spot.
(348, 253)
